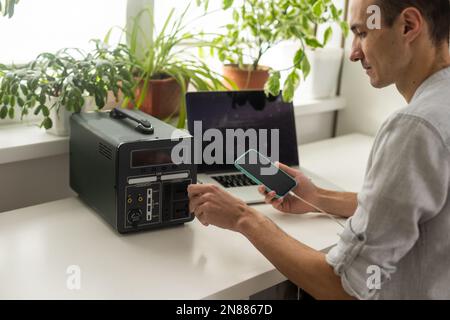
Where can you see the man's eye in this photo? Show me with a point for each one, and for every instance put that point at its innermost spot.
(362, 34)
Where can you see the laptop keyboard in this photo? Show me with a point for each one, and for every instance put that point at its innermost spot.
(234, 180)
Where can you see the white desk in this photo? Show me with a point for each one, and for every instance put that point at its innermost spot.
(341, 161)
(38, 243)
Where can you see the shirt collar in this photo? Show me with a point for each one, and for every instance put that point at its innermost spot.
(430, 81)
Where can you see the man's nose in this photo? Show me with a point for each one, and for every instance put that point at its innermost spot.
(356, 54)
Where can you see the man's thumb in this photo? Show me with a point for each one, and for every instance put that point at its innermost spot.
(292, 172)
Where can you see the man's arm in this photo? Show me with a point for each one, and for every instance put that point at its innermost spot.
(304, 266)
(342, 204)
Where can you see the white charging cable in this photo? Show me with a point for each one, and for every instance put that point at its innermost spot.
(317, 208)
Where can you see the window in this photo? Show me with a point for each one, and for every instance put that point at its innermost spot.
(49, 25)
(211, 22)
(215, 17)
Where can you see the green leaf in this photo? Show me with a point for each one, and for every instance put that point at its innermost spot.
(3, 112)
(291, 84)
(206, 4)
(298, 58)
(42, 99)
(20, 102)
(313, 42)
(318, 8)
(24, 89)
(23, 113)
(345, 28)
(11, 113)
(227, 4)
(37, 110)
(334, 12)
(33, 101)
(12, 101)
(267, 34)
(14, 88)
(47, 123)
(99, 99)
(327, 35)
(45, 111)
(236, 15)
(10, 7)
(306, 67)
(33, 84)
(272, 86)
(107, 36)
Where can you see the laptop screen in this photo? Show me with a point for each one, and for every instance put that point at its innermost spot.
(241, 110)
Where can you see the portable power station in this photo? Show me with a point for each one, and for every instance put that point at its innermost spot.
(121, 166)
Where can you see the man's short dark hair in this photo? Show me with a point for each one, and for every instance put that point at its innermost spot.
(435, 12)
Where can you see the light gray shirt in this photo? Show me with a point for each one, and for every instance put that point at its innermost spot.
(401, 228)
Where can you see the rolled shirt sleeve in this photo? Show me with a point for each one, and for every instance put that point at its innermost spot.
(406, 184)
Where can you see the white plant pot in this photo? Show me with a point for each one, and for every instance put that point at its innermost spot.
(323, 80)
(61, 119)
(324, 76)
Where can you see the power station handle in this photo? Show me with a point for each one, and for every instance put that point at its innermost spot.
(143, 125)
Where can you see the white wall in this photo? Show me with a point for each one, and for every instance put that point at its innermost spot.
(367, 107)
(314, 127)
(27, 183)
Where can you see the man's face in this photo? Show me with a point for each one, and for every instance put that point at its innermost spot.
(380, 51)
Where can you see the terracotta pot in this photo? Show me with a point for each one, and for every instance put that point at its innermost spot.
(163, 98)
(246, 79)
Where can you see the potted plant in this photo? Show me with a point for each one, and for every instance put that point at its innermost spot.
(56, 84)
(323, 80)
(163, 66)
(258, 26)
(7, 7)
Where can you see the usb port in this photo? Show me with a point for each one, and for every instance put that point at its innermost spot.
(149, 204)
(149, 212)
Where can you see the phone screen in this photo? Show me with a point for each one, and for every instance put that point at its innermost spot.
(261, 170)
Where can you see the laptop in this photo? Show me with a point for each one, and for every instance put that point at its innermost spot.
(239, 110)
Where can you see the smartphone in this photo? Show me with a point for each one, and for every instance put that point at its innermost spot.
(262, 171)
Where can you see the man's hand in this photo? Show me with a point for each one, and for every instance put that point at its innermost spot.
(213, 205)
(289, 204)
(304, 266)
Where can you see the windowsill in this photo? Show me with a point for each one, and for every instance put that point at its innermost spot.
(20, 142)
(310, 107)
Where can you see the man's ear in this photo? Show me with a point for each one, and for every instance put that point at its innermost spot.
(413, 23)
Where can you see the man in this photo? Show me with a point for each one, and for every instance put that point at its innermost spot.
(400, 221)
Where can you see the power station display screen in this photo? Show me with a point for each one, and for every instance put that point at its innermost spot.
(145, 158)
